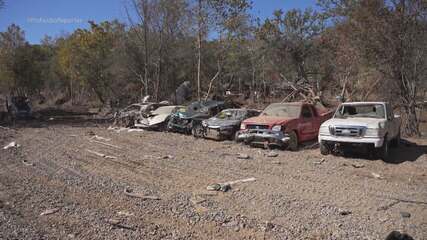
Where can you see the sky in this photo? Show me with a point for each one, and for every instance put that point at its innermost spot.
(56, 17)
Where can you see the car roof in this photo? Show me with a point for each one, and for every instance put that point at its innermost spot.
(289, 103)
(362, 103)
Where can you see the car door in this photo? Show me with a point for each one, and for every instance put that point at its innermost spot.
(305, 126)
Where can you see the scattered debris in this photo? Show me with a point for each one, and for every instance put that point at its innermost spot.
(358, 165)
(11, 145)
(243, 156)
(386, 207)
(396, 235)
(50, 211)
(130, 193)
(402, 200)
(320, 162)
(100, 138)
(277, 162)
(272, 154)
(26, 163)
(376, 175)
(101, 154)
(405, 214)
(224, 187)
(105, 144)
(5, 128)
(344, 212)
(135, 130)
(241, 181)
(73, 135)
(167, 157)
(214, 187)
(118, 223)
(90, 133)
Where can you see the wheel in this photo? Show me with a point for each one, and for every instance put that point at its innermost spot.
(163, 127)
(383, 152)
(198, 131)
(236, 138)
(324, 148)
(396, 141)
(293, 141)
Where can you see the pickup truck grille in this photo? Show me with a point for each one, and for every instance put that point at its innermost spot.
(257, 126)
(347, 131)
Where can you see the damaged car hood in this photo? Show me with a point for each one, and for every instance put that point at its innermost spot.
(158, 116)
(216, 122)
(267, 120)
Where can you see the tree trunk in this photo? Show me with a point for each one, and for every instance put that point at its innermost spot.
(199, 48)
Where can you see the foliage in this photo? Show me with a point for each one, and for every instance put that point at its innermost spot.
(358, 49)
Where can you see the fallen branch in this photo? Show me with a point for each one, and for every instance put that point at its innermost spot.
(403, 200)
(119, 224)
(101, 154)
(50, 211)
(100, 138)
(129, 193)
(239, 181)
(5, 128)
(105, 144)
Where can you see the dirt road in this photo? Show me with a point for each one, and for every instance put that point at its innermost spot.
(296, 195)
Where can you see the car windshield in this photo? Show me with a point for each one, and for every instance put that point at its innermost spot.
(231, 114)
(361, 111)
(282, 110)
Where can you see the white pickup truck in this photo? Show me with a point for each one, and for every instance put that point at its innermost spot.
(361, 124)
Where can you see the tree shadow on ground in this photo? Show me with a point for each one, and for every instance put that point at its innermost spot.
(406, 152)
(51, 117)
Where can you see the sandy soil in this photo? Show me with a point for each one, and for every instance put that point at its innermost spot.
(296, 195)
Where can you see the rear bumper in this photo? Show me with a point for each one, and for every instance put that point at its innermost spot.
(377, 142)
(263, 138)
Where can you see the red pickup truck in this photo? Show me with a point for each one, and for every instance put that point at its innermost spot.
(283, 125)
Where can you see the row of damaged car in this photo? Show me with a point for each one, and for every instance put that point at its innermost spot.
(367, 126)
(280, 125)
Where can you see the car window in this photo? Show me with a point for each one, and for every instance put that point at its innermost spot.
(361, 111)
(306, 112)
(282, 110)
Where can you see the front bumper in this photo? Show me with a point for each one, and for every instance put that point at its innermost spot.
(376, 141)
(218, 133)
(264, 137)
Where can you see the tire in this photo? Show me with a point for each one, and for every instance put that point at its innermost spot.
(198, 131)
(324, 148)
(384, 151)
(396, 141)
(293, 141)
(236, 139)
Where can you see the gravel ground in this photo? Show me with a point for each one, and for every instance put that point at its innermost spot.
(296, 195)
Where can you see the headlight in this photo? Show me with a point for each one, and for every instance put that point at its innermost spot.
(324, 130)
(373, 132)
(242, 126)
(276, 128)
